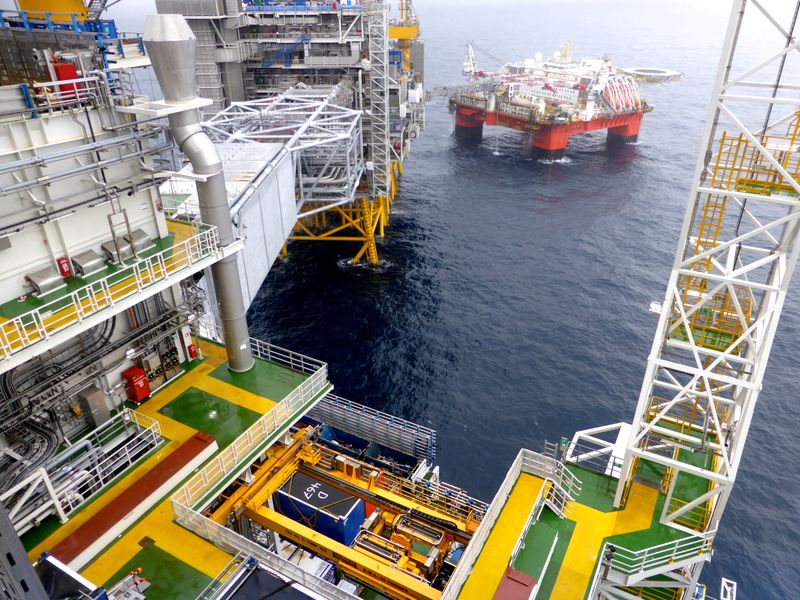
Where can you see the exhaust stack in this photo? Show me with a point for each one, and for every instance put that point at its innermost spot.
(171, 46)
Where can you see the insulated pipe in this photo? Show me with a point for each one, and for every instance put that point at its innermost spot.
(171, 46)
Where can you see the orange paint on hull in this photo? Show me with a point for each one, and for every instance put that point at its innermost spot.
(549, 140)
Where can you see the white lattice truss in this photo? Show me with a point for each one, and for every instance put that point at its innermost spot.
(378, 83)
(325, 140)
(737, 251)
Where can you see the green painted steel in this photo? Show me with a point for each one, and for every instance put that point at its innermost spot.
(215, 416)
(170, 578)
(532, 558)
(264, 379)
(17, 307)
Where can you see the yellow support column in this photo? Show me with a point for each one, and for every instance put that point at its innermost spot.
(369, 233)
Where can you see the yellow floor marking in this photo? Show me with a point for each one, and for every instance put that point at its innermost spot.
(172, 538)
(591, 528)
(493, 559)
(231, 393)
(158, 524)
(182, 231)
(176, 432)
(68, 315)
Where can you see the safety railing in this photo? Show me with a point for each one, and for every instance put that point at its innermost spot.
(557, 499)
(442, 498)
(241, 562)
(128, 280)
(548, 467)
(52, 95)
(234, 543)
(307, 7)
(393, 432)
(331, 61)
(266, 351)
(527, 461)
(590, 451)
(238, 455)
(245, 448)
(475, 546)
(536, 511)
(649, 560)
(80, 472)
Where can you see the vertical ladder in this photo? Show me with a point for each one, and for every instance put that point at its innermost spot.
(377, 113)
(119, 225)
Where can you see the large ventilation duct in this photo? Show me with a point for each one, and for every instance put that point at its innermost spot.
(171, 45)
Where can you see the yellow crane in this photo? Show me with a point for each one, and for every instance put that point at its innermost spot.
(405, 31)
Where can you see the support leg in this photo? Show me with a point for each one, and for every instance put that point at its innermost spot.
(627, 133)
(468, 128)
(550, 142)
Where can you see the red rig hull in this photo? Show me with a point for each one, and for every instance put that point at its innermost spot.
(547, 140)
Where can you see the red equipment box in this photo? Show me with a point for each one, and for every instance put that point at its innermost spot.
(136, 384)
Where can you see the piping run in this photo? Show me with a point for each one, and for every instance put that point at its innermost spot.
(171, 46)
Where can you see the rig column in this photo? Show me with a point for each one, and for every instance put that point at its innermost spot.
(469, 128)
(627, 133)
(550, 142)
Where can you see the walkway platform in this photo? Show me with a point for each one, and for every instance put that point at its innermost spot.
(127, 503)
(558, 557)
(491, 565)
(31, 324)
(207, 402)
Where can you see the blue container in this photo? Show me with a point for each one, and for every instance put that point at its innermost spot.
(325, 509)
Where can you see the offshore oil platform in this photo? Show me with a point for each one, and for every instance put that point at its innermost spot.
(550, 99)
(152, 449)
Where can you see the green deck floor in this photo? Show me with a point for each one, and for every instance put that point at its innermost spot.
(597, 491)
(170, 578)
(17, 307)
(540, 538)
(265, 379)
(206, 412)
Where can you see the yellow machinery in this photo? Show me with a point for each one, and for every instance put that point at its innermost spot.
(65, 7)
(405, 31)
(397, 551)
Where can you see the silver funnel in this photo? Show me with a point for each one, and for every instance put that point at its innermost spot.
(172, 48)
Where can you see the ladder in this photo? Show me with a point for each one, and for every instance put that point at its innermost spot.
(377, 114)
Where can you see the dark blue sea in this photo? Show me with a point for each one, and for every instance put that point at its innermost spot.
(511, 306)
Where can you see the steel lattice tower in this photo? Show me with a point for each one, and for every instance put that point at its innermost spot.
(737, 252)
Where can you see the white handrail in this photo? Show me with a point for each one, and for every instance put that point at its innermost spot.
(532, 518)
(630, 562)
(234, 458)
(475, 546)
(33, 326)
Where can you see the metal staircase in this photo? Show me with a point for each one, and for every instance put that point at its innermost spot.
(95, 8)
(377, 112)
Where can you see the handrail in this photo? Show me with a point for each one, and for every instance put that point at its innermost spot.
(631, 562)
(548, 467)
(440, 497)
(264, 350)
(475, 546)
(235, 457)
(232, 542)
(55, 489)
(40, 323)
(532, 518)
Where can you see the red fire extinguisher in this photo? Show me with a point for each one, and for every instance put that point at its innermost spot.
(63, 266)
(192, 351)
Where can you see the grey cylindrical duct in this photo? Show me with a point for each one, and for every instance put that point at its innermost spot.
(171, 44)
